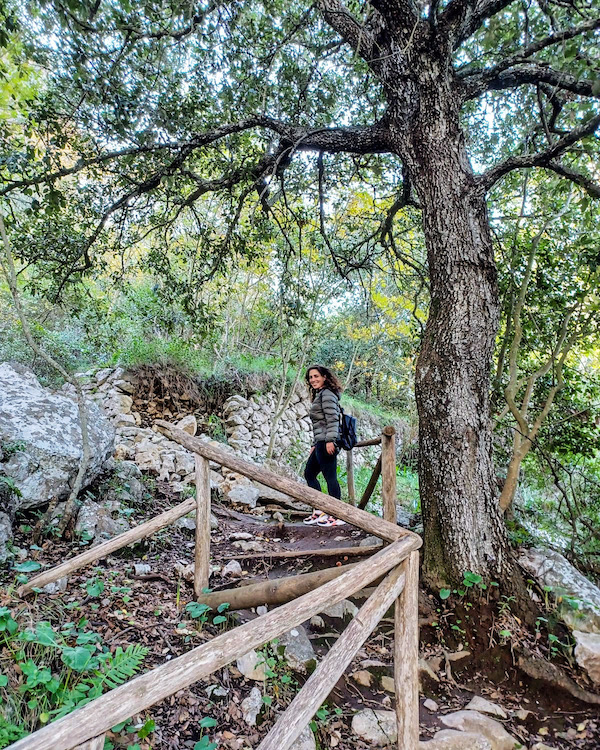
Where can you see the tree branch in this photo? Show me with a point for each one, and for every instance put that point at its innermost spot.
(529, 72)
(591, 187)
(461, 18)
(545, 158)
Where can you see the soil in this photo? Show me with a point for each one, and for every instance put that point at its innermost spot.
(461, 639)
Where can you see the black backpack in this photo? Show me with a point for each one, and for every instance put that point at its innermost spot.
(347, 434)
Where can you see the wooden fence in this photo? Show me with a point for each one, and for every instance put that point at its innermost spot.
(85, 728)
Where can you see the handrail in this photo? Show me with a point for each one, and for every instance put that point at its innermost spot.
(84, 729)
(119, 704)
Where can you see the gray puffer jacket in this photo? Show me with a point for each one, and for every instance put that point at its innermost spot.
(325, 416)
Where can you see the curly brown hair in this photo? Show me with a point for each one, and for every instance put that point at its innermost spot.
(331, 380)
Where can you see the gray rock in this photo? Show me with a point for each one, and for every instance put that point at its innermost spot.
(188, 424)
(243, 495)
(484, 706)
(233, 569)
(5, 534)
(56, 587)
(297, 649)
(431, 705)
(95, 521)
(371, 541)
(47, 424)
(450, 739)
(377, 727)
(553, 570)
(403, 517)
(587, 654)
(341, 610)
(306, 741)
(251, 706)
(141, 569)
(476, 723)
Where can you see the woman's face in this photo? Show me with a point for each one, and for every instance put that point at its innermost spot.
(316, 380)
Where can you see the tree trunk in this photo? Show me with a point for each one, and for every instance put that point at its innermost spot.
(462, 523)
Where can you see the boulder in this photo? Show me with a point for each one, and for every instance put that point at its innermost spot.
(376, 727)
(243, 495)
(45, 426)
(581, 609)
(587, 654)
(476, 723)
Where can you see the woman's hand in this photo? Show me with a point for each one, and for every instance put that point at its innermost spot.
(330, 447)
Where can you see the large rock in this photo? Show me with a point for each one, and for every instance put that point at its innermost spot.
(475, 723)
(46, 427)
(306, 741)
(581, 609)
(376, 727)
(587, 654)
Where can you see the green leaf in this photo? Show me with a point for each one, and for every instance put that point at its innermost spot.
(29, 566)
(77, 658)
(444, 593)
(207, 722)
(219, 619)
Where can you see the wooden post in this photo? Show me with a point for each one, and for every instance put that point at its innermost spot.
(202, 548)
(371, 486)
(406, 657)
(332, 667)
(388, 474)
(143, 691)
(350, 477)
(112, 545)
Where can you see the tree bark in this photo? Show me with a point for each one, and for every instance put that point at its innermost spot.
(463, 526)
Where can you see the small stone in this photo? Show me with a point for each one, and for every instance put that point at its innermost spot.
(587, 654)
(56, 587)
(188, 424)
(371, 541)
(251, 706)
(486, 707)
(306, 741)
(298, 650)
(363, 677)
(376, 727)
(431, 705)
(240, 535)
(262, 610)
(317, 622)
(473, 721)
(243, 495)
(341, 610)
(252, 666)
(233, 569)
(450, 739)
(141, 569)
(248, 546)
(277, 516)
(521, 714)
(387, 683)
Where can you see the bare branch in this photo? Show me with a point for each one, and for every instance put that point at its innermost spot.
(544, 158)
(341, 20)
(591, 187)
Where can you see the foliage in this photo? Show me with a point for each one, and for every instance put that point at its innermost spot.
(51, 670)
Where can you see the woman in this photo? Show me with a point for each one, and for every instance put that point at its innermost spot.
(324, 413)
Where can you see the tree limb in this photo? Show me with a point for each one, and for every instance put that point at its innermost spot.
(544, 158)
(461, 18)
(530, 72)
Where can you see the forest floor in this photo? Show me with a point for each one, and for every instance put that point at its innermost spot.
(460, 641)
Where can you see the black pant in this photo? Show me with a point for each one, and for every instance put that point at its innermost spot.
(320, 461)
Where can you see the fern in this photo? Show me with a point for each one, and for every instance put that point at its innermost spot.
(116, 670)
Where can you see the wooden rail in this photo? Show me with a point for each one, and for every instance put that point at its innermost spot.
(85, 728)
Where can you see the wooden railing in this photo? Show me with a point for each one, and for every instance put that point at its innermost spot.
(85, 728)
